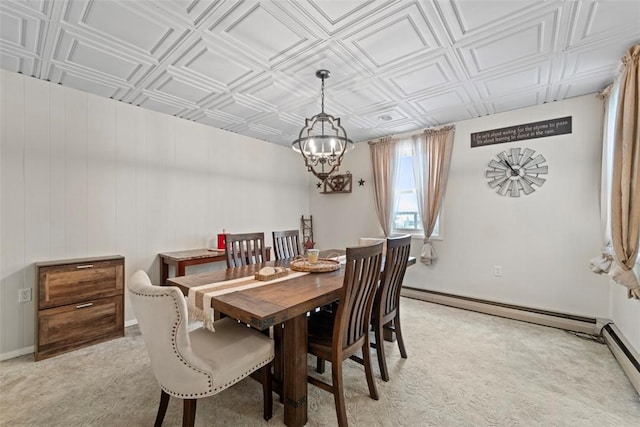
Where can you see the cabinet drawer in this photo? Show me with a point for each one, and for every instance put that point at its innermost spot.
(79, 282)
(76, 325)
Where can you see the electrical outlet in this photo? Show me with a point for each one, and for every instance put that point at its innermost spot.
(497, 270)
(24, 295)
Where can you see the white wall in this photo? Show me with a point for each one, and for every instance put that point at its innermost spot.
(543, 241)
(88, 176)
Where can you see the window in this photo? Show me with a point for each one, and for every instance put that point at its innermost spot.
(406, 215)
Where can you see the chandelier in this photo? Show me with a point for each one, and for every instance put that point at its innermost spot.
(322, 141)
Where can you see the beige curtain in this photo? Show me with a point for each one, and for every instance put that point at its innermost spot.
(625, 197)
(431, 161)
(602, 263)
(383, 160)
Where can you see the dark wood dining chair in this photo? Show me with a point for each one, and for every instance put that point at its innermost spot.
(337, 336)
(244, 249)
(286, 244)
(386, 305)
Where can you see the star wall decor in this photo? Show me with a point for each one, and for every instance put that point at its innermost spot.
(361, 182)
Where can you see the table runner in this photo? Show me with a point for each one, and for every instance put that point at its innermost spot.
(199, 297)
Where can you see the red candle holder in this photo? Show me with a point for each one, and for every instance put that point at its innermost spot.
(221, 244)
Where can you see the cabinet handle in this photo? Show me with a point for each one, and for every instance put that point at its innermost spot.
(89, 304)
(85, 266)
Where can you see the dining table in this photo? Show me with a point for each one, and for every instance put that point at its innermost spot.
(283, 304)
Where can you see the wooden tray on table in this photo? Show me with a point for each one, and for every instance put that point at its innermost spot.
(322, 266)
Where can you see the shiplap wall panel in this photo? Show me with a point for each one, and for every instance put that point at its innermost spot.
(101, 176)
(87, 176)
(156, 182)
(191, 184)
(13, 215)
(36, 186)
(57, 173)
(141, 164)
(76, 179)
(126, 230)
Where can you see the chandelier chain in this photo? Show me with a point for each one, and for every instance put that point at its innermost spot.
(322, 95)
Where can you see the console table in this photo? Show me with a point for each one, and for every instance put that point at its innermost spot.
(182, 259)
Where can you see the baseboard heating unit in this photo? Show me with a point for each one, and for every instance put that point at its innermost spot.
(621, 350)
(628, 359)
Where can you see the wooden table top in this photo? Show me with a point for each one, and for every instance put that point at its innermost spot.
(192, 254)
(270, 304)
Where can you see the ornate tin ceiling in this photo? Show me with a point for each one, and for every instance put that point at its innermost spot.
(249, 67)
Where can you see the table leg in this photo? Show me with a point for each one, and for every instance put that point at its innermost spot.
(388, 334)
(294, 343)
(180, 269)
(278, 365)
(164, 272)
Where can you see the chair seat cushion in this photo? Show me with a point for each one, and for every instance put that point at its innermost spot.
(233, 351)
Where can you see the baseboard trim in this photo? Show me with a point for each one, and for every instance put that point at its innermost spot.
(626, 356)
(16, 353)
(130, 323)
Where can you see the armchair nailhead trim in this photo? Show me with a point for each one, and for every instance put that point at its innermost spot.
(174, 329)
(211, 391)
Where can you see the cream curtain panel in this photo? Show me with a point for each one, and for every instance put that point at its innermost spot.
(431, 162)
(602, 263)
(385, 165)
(625, 184)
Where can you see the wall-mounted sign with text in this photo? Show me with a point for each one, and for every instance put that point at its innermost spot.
(541, 129)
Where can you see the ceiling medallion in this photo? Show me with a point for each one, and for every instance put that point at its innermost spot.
(322, 141)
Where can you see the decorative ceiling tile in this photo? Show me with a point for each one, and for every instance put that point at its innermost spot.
(513, 102)
(426, 77)
(123, 23)
(378, 41)
(389, 116)
(181, 89)
(452, 115)
(87, 55)
(357, 98)
(580, 86)
(595, 21)
(20, 31)
(160, 105)
(605, 57)
(515, 80)
(510, 46)
(85, 83)
(10, 62)
(441, 101)
(464, 18)
(333, 16)
(262, 30)
(278, 92)
(328, 56)
(249, 66)
(212, 64)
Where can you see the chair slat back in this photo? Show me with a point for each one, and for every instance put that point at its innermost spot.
(395, 265)
(356, 300)
(244, 249)
(286, 244)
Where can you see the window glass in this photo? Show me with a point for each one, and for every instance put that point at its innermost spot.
(406, 215)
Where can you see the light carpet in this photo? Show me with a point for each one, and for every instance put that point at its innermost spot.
(464, 369)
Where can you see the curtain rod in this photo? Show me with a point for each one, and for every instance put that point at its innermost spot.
(410, 134)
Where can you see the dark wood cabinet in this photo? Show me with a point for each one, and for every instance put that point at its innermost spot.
(79, 302)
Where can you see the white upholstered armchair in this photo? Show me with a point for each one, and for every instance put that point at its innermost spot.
(200, 363)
